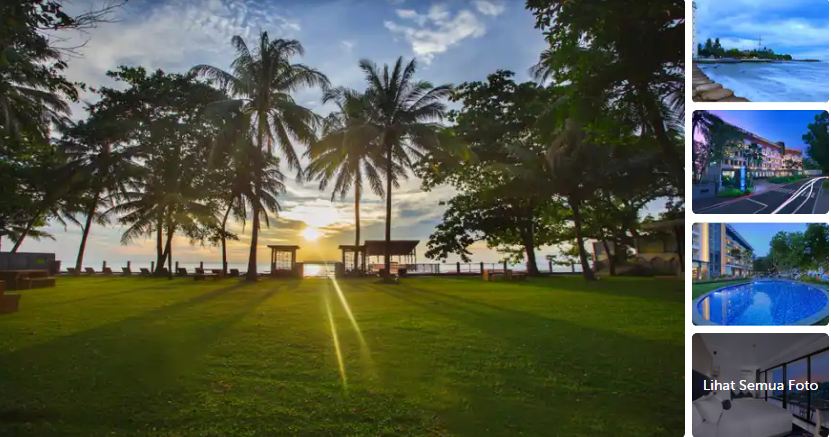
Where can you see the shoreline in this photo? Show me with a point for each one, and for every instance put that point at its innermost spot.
(706, 90)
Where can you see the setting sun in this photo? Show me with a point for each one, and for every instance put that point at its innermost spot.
(311, 234)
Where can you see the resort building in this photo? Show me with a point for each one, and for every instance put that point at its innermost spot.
(718, 250)
(761, 158)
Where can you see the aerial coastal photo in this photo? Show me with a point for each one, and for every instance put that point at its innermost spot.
(760, 274)
(760, 51)
(760, 162)
(342, 218)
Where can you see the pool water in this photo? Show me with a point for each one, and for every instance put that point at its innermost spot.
(765, 302)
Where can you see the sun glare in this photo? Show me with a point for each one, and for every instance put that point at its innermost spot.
(310, 234)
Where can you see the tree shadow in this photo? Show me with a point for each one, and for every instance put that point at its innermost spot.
(537, 369)
(98, 367)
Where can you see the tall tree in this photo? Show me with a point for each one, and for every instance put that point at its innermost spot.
(102, 166)
(633, 47)
(260, 84)
(404, 113)
(817, 139)
(347, 152)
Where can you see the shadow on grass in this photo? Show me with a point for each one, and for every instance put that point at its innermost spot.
(524, 368)
(82, 378)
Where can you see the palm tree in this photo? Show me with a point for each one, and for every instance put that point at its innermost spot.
(102, 168)
(404, 114)
(347, 152)
(575, 166)
(260, 85)
(237, 159)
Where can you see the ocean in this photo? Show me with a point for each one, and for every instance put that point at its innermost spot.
(773, 81)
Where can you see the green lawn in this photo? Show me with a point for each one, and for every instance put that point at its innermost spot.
(700, 289)
(553, 356)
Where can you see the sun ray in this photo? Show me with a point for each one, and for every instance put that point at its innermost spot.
(338, 355)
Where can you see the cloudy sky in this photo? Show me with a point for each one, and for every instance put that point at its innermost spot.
(796, 27)
(454, 41)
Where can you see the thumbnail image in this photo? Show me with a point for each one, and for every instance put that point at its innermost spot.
(760, 274)
(760, 51)
(759, 385)
(760, 162)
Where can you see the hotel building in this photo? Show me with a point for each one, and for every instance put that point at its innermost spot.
(718, 250)
(761, 157)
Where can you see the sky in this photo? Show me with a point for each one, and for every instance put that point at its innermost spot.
(795, 27)
(787, 126)
(760, 234)
(453, 42)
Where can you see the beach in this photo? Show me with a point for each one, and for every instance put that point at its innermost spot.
(792, 81)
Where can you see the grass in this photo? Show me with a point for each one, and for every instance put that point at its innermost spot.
(702, 288)
(458, 356)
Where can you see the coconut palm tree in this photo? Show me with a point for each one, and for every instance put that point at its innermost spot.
(260, 84)
(102, 168)
(237, 159)
(404, 114)
(347, 153)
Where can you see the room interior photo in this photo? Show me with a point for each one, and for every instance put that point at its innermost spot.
(763, 410)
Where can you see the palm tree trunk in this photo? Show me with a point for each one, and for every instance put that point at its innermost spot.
(588, 274)
(251, 274)
(170, 231)
(387, 233)
(79, 261)
(357, 225)
(222, 236)
(159, 252)
(25, 233)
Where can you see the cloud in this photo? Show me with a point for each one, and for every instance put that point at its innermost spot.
(170, 35)
(436, 31)
(489, 8)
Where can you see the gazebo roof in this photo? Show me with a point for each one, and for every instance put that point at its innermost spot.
(397, 247)
(283, 247)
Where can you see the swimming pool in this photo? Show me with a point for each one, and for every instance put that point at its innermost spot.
(762, 302)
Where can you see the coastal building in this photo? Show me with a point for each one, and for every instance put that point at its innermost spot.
(759, 157)
(655, 250)
(718, 250)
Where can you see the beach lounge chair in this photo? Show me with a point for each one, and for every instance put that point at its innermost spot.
(107, 271)
(181, 271)
(89, 270)
(126, 271)
(70, 270)
(145, 271)
(233, 273)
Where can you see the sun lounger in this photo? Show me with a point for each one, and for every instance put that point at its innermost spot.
(145, 271)
(181, 271)
(107, 271)
(89, 270)
(70, 270)
(233, 273)
(126, 271)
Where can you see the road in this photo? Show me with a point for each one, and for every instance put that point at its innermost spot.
(803, 197)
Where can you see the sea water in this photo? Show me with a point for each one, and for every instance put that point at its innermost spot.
(773, 81)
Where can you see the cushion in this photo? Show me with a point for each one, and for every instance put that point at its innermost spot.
(710, 408)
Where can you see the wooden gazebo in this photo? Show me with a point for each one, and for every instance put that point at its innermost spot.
(284, 260)
(372, 253)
